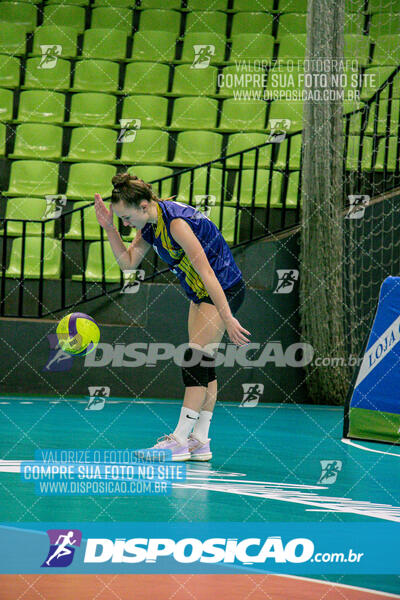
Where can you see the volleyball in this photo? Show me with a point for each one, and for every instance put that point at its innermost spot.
(78, 334)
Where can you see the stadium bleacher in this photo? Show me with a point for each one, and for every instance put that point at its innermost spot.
(117, 59)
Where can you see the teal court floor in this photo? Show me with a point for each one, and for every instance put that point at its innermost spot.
(269, 464)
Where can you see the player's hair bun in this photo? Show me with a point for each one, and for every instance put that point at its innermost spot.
(131, 189)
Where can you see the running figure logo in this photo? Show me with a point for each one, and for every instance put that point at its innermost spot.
(61, 551)
(50, 54)
(202, 55)
(58, 360)
(286, 280)
(330, 470)
(251, 394)
(97, 397)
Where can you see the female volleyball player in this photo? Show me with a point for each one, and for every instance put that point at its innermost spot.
(194, 249)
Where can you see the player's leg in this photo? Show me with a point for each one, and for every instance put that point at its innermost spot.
(205, 327)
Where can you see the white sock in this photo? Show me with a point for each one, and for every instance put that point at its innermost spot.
(187, 420)
(200, 431)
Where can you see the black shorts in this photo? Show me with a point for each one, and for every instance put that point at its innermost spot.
(235, 296)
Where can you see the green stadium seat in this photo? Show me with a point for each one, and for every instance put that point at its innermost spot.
(87, 179)
(243, 141)
(13, 39)
(149, 146)
(355, 119)
(146, 78)
(170, 4)
(253, 5)
(90, 223)
(66, 37)
(355, 6)
(201, 5)
(282, 80)
(92, 109)
(122, 3)
(353, 150)
(356, 47)
(194, 113)
(197, 147)
(104, 43)
(295, 153)
(6, 105)
(246, 46)
(199, 185)
(32, 262)
(228, 221)
(211, 21)
(262, 188)
(296, 6)
(292, 190)
(387, 50)
(252, 22)
(95, 74)
(93, 144)
(382, 117)
(381, 6)
(93, 271)
(393, 148)
(156, 46)
(19, 13)
(33, 178)
(151, 110)
(64, 15)
(77, 2)
(150, 173)
(56, 78)
(114, 17)
(3, 137)
(203, 38)
(243, 116)
(37, 140)
(41, 106)
(292, 23)
(354, 23)
(374, 78)
(292, 47)
(9, 72)
(290, 111)
(160, 20)
(194, 82)
(27, 209)
(387, 23)
(235, 83)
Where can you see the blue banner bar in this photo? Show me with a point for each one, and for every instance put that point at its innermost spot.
(287, 548)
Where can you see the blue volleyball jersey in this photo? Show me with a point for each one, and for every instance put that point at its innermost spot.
(215, 247)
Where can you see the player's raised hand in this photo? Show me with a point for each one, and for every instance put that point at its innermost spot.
(104, 216)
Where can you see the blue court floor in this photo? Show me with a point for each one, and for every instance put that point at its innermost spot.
(270, 463)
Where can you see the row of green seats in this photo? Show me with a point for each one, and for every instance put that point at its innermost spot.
(148, 146)
(151, 112)
(160, 46)
(282, 6)
(100, 40)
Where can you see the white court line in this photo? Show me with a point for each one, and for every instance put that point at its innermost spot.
(351, 443)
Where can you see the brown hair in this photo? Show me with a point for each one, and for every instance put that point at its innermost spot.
(131, 189)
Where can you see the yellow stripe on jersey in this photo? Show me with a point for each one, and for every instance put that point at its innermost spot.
(192, 278)
(162, 232)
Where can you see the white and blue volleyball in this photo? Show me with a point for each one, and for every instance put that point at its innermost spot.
(78, 334)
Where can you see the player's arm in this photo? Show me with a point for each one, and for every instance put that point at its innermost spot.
(127, 258)
(185, 237)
